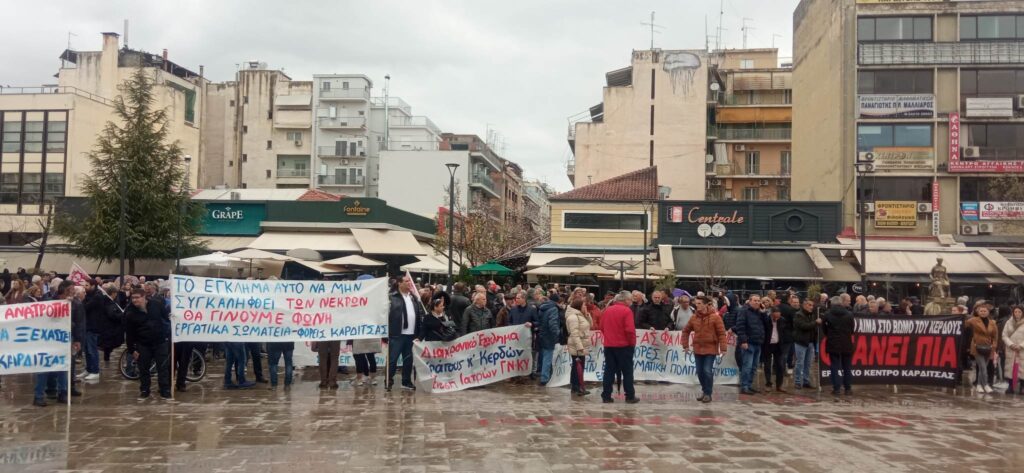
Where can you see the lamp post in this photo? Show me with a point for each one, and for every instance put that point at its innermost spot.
(124, 209)
(451, 219)
(646, 221)
(181, 215)
(863, 165)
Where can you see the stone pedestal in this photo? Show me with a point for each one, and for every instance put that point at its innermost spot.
(939, 306)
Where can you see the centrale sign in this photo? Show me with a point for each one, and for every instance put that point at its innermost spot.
(357, 210)
(694, 216)
(227, 214)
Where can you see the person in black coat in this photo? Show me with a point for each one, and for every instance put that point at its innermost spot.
(437, 323)
(778, 338)
(458, 304)
(749, 330)
(405, 319)
(147, 328)
(656, 315)
(94, 315)
(112, 324)
(838, 325)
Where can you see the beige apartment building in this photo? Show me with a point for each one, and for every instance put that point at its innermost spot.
(48, 131)
(652, 113)
(750, 104)
(930, 96)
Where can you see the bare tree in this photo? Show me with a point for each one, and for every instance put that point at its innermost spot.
(714, 265)
(481, 233)
(46, 224)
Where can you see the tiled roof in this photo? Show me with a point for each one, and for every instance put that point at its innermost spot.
(314, 195)
(637, 185)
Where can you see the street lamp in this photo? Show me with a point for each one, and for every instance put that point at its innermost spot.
(181, 215)
(121, 225)
(864, 165)
(451, 220)
(646, 222)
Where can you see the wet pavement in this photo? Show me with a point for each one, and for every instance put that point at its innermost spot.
(505, 428)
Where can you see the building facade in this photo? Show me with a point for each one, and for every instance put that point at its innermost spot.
(926, 95)
(48, 132)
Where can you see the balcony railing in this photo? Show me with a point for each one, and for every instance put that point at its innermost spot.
(340, 180)
(342, 122)
(417, 121)
(964, 52)
(334, 152)
(345, 94)
(755, 99)
(292, 172)
(752, 134)
(481, 179)
(54, 90)
(570, 167)
(393, 102)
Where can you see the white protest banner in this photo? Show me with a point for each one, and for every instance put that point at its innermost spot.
(78, 275)
(472, 360)
(304, 356)
(35, 337)
(230, 310)
(658, 356)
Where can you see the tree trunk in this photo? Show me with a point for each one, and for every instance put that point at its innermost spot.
(131, 266)
(46, 224)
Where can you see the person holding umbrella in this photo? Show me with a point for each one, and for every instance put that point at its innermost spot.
(1013, 339)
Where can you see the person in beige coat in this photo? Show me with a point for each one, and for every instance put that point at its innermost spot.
(578, 321)
(1013, 342)
(984, 338)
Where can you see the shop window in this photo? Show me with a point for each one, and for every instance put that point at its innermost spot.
(895, 82)
(917, 189)
(603, 221)
(870, 137)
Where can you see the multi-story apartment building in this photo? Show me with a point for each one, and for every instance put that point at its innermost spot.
(929, 96)
(652, 113)
(750, 113)
(536, 206)
(258, 131)
(512, 197)
(47, 132)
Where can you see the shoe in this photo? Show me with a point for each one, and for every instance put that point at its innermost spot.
(387, 387)
(987, 389)
(754, 391)
(848, 392)
(82, 375)
(808, 386)
(706, 399)
(835, 392)
(166, 395)
(780, 390)
(230, 386)
(578, 393)
(607, 400)
(322, 386)
(75, 393)
(272, 386)
(261, 381)
(632, 400)
(51, 394)
(585, 392)
(92, 377)
(749, 392)
(798, 387)
(373, 382)
(143, 395)
(40, 402)
(408, 387)
(246, 385)
(767, 386)
(334, 386)
(62, 398)
(701, 398)
(180, 389)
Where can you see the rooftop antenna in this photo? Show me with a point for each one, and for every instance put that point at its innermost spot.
(775, 35)
(746, 29)
(721, 13)
(63, 62)
(653, 26)
(125, 32)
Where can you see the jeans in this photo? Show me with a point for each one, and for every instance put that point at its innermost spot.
(275, 350)
(400, 346)
(775, 360)
(159, 354)
(981, 371)
(234, 359)
(705, 365)
(257, 361)
(576, 374)
(92, 352)
(840, 362)
(751, 357)
(182, 359)
(366, 363)
(545, 364)
(42, 379)
(802, 370)
(618, 360)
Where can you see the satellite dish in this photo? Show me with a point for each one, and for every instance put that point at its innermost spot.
(708, 159)
(714, 86)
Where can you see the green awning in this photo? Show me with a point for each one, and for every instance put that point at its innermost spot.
(736, 263)
(491, 267)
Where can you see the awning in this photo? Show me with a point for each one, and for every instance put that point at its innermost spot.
(553, 271)
(387, 242)
(354, 260)
(254, 254)
(226, 243)
(957, 261)
(840, 271)
(318, 267)
(284, 241)
(541, 259)
(754, 263)
(429, 265)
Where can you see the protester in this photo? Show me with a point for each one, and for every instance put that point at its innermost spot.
(253, 349)
(477, 316)
(364, 352)
(984, 338)
(112, 327)
(1013, 342)
(749, 329)
(805, 335)
(594, 311)
(682, 312)
(709, 342)
(458, 304)
(548, 332)
(404, 321)
(148, 334)
(327, 356)
(579, 323)
(438, 326)
(778, 339)
(619, 333)
(657, 314)
(16, 294)
(639, 299)
(838, 325)
(58, 380)
(276, 351)
(520, 313)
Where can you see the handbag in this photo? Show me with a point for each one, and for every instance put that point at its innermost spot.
(984, 350)
(447, 331)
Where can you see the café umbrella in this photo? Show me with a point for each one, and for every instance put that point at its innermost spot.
(491, 268)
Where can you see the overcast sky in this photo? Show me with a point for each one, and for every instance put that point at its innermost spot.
(520, 68)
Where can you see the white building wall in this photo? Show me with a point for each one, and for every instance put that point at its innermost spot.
(417, 181)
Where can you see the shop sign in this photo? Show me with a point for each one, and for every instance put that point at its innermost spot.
(900, 159)
(233, 218)
(674, 214)
(895, 214)
(958, 165)
(935, 207)
(969, 211)
(1001, 211)
(989, 107)
(356, 209)
(896, 106)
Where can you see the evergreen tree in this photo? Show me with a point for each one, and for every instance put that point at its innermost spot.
(132, 155)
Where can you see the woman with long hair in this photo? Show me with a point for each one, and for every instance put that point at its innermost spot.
(17, 293)
(578, 322)
(1013, 343)
(984, 337)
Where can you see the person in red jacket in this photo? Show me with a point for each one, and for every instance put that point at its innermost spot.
(619, 330)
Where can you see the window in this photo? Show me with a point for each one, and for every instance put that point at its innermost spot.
(917, 189)
(231, 103)
(344, 85)
(294, 136)
(245, 158)
(753, 162)
(12, 137)
(895, 82)
(270, 114)
(325, 85)
(604, 221)
(892, 28)
(55, 135)
(245, 100)
(991, 82)
(270, 144)
(786, 163)
(746, 63)
(870, 137)
(31, 187)
(245, 129)
(997, 140)
(231, 164)
(751, 193)
(268, 174)
(54, 186)
(783, 192)
(9, 188)
(976, 189)
(33, 137)
(991, 27)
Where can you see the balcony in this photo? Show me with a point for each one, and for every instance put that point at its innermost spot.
(340, 181)
(292, 173)
(393, 102)
(484, 181)
(345, 94)
(414, 122)
(755, 99)
(980, 52)
(341, 123)
(752, 134)
(334, 152)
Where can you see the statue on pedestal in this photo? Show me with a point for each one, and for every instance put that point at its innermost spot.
(940, 281)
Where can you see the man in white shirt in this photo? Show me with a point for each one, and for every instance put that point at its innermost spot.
(681, 313)
(405, 319)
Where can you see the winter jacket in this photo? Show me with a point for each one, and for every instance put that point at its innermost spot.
(549, 325)
(457, 308)
(475, 319)
(656, 316)
(397, 315)
(749, 326)
(983, 331)
(788, 313)
(595, 316)
(617, 326)
(1013, 335)
(95, 312)
(708, 334)
(146, 328)
(805, 329)
(579, 325)
(838, 326)
(784, 328)
(520, 315)
(77, 320)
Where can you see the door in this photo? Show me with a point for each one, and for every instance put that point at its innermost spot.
(340, 148)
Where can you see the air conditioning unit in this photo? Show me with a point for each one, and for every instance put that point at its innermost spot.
(716, 182)
(708, 184)
(739, 147)
(924, 207)
(362, 154)
(344, 161)
(781, 182)
(869, 207)
(968, 229)
(298, 142)
(763, 182)
(984, 228)
(1020, 102)
(236, 196)
(972, 152)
